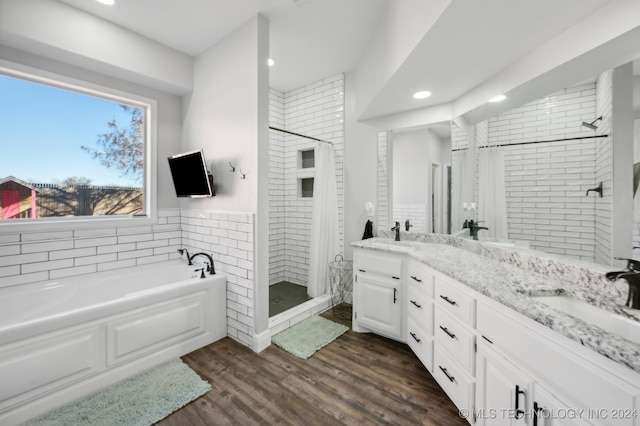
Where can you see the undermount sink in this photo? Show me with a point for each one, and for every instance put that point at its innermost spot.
(609, 321)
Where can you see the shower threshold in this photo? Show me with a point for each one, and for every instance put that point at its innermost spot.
(291, 317)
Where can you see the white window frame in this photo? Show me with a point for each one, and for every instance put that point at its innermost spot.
(150, 191)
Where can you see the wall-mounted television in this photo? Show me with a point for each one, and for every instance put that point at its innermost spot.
(190, 175)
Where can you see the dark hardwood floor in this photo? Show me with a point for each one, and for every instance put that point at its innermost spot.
(358, 379)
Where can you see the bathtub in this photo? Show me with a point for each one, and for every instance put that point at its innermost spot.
(63, 339)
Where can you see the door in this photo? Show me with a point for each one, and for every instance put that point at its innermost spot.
(548, 410)
(378, 304)
(503, 390)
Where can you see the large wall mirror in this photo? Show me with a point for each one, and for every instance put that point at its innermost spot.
(553, 175)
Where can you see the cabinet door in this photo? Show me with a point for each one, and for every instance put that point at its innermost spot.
(547, 410)
(378, 305)
(502, 390)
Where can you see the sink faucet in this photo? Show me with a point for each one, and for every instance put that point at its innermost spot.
(633, 280)
(474, 228)
(397, 229)
(210, 268)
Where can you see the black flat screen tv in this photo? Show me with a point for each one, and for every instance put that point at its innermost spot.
(190, 175)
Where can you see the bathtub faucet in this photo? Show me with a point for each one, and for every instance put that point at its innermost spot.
(210, 268)
(182, 252)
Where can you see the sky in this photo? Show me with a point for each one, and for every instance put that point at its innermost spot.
(42, 129)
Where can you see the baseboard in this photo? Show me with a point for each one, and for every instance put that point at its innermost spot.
(262, 341)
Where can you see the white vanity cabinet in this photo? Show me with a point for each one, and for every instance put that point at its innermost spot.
(564, 383)
(378, 288)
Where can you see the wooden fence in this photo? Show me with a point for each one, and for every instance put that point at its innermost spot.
(86, 200)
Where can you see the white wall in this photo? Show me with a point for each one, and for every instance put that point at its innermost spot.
(227, 116)
(359, 170)
(413, 154)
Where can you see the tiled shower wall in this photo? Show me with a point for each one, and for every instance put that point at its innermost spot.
(546, 182)
(316, 110)
(32, 257)
(383, 186)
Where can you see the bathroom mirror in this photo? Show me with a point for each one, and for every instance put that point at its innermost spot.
(555, 153)
(547, 205)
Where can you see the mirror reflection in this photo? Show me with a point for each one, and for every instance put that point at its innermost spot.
(554, 175)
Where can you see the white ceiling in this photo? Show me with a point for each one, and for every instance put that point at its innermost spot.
(471, 42)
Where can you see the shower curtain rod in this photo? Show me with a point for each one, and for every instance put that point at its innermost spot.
(527, 143)
(298, 134)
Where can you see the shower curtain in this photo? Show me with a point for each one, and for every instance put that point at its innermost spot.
(459, 192)
(325, 240)
(492, 202)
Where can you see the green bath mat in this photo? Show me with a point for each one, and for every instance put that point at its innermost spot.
(140, 400)
(306, 337)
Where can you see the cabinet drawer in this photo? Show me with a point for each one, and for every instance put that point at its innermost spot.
(420, 308)
(456, 338)
(455, 301)
(386, 264)
(420, 276)
(421, 343)
(455, 382)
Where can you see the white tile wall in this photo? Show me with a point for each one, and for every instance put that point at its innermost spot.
(316, 110)
(416, 213)
(383, 195)
(32, 257)
(546, 182)
(229, 238)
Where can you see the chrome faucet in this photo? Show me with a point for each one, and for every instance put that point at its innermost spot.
(397, 229)
(474, 228)
(210, 268)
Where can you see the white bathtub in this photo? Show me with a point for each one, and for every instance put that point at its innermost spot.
(60, 340)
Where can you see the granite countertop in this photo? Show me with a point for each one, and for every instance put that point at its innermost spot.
(514, 286)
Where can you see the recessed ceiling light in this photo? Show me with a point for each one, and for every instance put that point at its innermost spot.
(422, 94)
(498, 98)
(270, 62)
(107, 2)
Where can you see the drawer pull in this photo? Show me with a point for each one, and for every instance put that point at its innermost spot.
(488, 340)
(416, 279)
(519, 412)
(450, 334)
(416, 304)
(536, 408)
(446, 299)
(395, 292)
(414, 337)
(395, 278)
(362, 270)
(446, 373)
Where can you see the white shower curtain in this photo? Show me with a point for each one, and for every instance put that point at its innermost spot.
(460, 193)
(492, 203)
(325, 240)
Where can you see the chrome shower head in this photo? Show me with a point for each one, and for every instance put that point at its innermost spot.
(592, 125)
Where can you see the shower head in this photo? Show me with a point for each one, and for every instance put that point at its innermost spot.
(592, 125)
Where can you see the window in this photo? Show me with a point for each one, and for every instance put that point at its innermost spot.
(307, 159)
(306, 188)
(69, 150)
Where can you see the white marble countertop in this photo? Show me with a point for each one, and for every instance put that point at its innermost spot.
(513, 286)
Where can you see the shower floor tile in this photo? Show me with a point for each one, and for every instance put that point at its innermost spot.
(285, 295)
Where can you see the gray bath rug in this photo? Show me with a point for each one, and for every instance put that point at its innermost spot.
(306, 337)
(140, 400)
